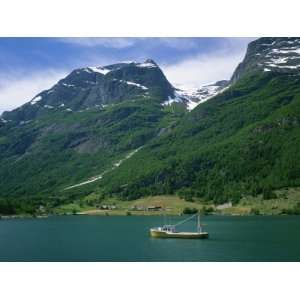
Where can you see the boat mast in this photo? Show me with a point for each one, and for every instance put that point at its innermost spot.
(198, 223)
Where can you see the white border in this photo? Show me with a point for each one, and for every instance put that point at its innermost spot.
(149, 280)
(149, 18)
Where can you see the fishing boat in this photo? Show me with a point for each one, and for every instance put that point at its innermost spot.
(170, 231)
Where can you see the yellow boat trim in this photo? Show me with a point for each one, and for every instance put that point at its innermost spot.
(181, 235)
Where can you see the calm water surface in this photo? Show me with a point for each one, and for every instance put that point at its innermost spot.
(98, 238)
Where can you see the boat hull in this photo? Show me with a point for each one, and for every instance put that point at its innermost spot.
(178, 235)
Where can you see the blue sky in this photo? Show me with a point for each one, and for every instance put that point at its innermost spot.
(29, 65)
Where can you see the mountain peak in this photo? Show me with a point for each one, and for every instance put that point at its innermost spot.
(150, 61)
(270, 54)
(91, 87)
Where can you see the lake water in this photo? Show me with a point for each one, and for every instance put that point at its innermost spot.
(116, 238)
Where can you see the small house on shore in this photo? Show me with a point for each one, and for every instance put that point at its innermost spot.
(154, 208)
(107, 207)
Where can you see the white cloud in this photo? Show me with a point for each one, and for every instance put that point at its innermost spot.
(202, 69)
(207, 68)
(177, 43)
(16, 90)
(118, 43)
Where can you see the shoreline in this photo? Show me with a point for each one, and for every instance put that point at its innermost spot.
(170, 205)
(135, 214)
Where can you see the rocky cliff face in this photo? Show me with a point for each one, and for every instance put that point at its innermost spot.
(94, 87)
(281, 55)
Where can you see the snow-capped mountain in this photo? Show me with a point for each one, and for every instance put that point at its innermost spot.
(192, 97)
(281, 55)
(97, 87)
(271, 55)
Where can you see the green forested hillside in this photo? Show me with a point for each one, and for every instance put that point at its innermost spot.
(42, 157)
(244, 141)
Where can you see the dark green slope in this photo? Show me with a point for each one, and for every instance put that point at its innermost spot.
(81, 127)
(244, 141)
(42, 157)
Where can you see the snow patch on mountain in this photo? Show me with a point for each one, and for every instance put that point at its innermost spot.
(176, 99)
(281, 54)
(146, 65)
(106, 69)
(35, 100)
(286, 50)
(192, 97)
(100, 70)
(203, 94)
(68, 85)
(135, 84)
